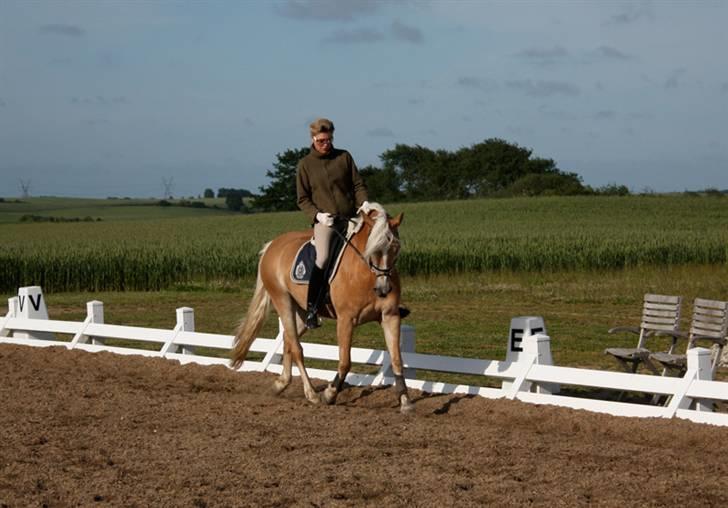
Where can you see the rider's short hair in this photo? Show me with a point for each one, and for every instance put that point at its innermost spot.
(321, 125)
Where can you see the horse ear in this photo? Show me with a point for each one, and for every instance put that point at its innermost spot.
(394, 223)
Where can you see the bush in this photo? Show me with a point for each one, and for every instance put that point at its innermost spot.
(547, 184)
(612, 189)
(43, 218)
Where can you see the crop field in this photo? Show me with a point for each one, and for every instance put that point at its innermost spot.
(147, 247)
(467, 267)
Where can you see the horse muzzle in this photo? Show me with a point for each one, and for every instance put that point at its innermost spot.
(382, 286)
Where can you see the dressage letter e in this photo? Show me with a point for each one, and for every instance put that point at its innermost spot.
(516, 338)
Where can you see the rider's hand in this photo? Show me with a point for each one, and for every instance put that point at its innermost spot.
(365, 207)
(325, 218)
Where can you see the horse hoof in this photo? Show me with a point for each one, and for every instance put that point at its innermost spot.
(328, 396)
(405, 406)
(279, 386)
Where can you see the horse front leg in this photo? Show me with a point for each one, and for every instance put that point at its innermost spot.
(391, 326)
(344, 331)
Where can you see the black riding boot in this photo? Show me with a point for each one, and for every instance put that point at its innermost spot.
(315, 287)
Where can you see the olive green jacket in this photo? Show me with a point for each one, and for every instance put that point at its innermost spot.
(329, 183)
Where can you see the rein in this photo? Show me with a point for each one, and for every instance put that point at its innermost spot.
(376, 270)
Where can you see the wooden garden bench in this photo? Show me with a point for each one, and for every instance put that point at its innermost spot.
(660, 316)
(709, 325)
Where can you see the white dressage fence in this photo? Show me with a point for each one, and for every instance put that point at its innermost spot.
(526, 374)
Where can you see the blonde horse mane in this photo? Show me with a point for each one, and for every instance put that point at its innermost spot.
(381, 236)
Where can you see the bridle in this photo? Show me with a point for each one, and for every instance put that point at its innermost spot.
(378, 271)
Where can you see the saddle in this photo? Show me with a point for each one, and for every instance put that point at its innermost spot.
(306, 255)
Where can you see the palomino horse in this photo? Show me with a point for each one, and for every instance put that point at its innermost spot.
(366, 288)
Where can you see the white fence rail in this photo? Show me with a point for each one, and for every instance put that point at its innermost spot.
(526, 376)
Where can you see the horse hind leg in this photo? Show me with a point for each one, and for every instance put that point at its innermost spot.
(284, 380)
(292, 351)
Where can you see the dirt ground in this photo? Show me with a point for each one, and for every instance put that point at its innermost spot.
(82, 429)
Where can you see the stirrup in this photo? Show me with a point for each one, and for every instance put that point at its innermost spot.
(312, 320)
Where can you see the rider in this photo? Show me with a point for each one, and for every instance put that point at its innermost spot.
(328, 186)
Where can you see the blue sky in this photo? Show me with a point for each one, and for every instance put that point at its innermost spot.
(111, 98)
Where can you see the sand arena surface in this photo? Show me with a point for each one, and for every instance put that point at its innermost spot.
(81, 429)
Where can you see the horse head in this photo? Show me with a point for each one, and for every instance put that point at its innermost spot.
(382, 246)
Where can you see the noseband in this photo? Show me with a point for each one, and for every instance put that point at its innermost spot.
(378, 271)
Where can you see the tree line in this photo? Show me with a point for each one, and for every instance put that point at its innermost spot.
(492, 168)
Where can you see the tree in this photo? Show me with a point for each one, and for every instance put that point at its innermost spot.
(483, 169)
(280, 195)
(223, 192)
(423, 173)
(612, 189)
(209, 193)
(548, 184)
(234, 201)
(492, 165)
(383, 185)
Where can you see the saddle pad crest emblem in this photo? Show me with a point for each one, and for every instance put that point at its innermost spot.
(300, 270)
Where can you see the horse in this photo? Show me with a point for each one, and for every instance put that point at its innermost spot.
(365, 288)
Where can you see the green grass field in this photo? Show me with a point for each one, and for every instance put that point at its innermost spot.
(175, 247)
(467, 267)
(108, 210)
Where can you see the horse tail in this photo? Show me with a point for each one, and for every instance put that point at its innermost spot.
(251, 324)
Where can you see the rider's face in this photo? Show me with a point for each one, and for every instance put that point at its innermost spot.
(323, 142)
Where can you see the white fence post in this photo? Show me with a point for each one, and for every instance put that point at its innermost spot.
(698, 369)
(186, 323)
(31, 305)
(95, 312)
(407, 345)
(699, 361)
(539, 345)
(521, 327)
(275, 355)
(12, 312)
